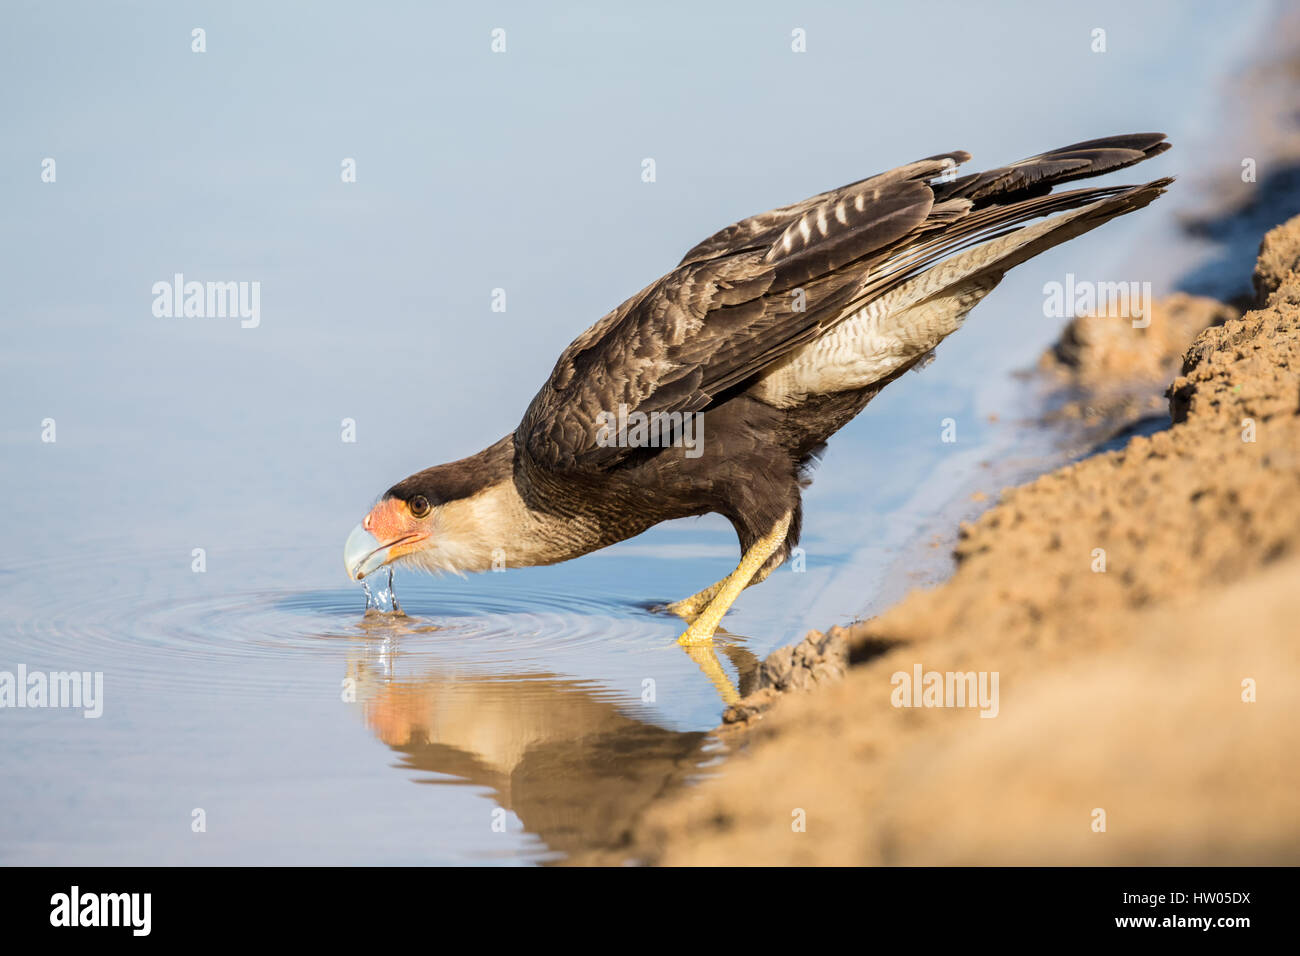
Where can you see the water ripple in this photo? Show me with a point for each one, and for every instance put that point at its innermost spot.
(158, 630)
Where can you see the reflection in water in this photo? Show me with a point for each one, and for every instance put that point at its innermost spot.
(573, 764)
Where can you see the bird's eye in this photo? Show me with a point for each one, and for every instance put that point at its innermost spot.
(419, 506)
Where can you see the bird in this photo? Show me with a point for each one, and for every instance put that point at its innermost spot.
(716, 388)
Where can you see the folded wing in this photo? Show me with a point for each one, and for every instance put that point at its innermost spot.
(748, 295)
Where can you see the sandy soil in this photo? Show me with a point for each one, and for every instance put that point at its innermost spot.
(1140, 609)
(1104, 375)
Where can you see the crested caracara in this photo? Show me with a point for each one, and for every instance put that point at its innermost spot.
(735, 368)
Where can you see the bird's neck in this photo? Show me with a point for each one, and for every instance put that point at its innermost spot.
(493, 528)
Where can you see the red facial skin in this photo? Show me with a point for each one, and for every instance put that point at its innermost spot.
(392, 523)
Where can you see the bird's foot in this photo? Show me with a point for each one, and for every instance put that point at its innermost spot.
(690, 608)
(687, 609)
(701, 631)
(722, 595)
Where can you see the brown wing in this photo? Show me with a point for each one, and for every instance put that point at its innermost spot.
(730, 308)
(758, 232)
(711, 323)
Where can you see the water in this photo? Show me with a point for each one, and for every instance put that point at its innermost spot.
(381, 599)
(507, 718)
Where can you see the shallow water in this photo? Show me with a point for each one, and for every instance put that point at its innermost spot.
(541, 709)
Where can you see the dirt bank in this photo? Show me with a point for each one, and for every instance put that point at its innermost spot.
(1104, 375)
(1141, 612)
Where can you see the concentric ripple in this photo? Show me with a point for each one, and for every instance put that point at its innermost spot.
(118, 613)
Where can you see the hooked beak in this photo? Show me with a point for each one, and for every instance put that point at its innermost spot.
(387, 533)
(363, 553)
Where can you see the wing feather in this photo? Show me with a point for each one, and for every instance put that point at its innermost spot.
(751, 293)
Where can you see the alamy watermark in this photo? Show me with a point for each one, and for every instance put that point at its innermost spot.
(208, 300)
(1111, 300)
(625, 429)
(128, 910)
(80, 689)
(946, 689)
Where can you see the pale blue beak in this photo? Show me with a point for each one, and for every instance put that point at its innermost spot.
(363, 553)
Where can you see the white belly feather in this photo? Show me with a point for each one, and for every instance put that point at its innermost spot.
(877, 338)
(875, 341)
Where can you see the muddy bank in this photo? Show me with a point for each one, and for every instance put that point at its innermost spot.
(1105, 375)
(1139, 610)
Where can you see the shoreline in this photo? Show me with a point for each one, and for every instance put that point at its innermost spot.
(1137, 608)
(1135, 602)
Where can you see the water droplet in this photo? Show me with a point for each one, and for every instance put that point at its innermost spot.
(382, 599)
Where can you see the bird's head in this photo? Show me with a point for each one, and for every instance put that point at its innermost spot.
(447, 518)
(395, 528)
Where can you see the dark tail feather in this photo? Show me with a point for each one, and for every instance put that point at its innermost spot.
(1037, 175)
(999, 220)
(1098, 213)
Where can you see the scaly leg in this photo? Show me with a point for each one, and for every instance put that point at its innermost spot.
(703, 627)
(688, 609)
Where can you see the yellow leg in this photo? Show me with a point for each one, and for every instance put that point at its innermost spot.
(688, 609)
(703, 627)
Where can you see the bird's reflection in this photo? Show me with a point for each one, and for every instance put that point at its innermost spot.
(573, 762)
